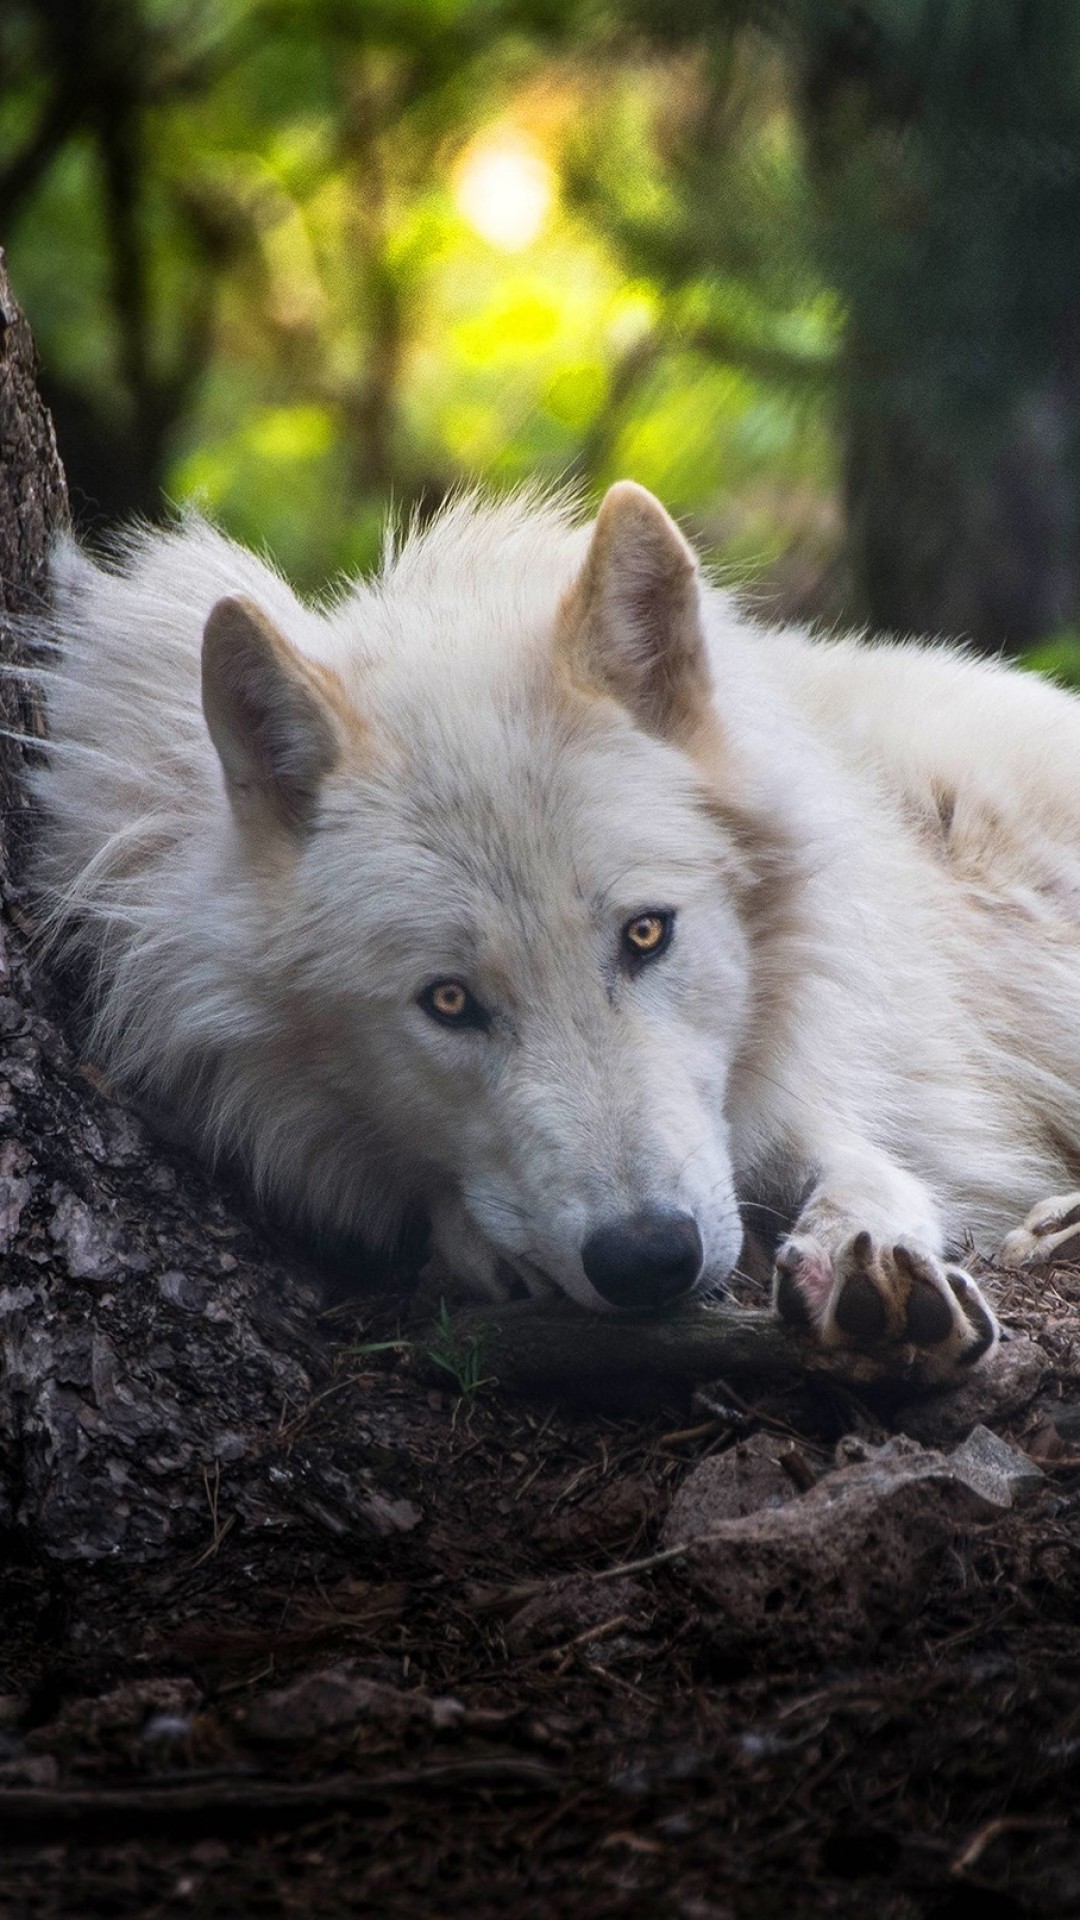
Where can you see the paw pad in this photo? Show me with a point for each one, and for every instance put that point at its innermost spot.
(895, 1302)
(860, 1311)
(929, 1318)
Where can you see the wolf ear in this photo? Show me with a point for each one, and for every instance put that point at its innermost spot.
(268, 716)
(631, 624)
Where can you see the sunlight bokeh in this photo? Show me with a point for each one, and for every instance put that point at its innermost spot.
(372, 280)
(504, 188)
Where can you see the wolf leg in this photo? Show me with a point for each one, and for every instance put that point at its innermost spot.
(1051, 1232)
(863, 1268)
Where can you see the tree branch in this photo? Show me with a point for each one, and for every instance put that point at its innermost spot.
(557, 1347)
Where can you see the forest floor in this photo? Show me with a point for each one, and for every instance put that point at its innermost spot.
(502, 1699)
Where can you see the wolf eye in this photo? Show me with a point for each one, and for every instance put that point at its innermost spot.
(452, 1005)
(647, 935)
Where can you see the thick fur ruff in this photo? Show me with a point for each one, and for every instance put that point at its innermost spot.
(478, 768)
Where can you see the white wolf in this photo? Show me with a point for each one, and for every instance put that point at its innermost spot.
(531, 885)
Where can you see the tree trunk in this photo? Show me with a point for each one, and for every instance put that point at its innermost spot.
(943, 148)
(966, 528)
(149, 1340)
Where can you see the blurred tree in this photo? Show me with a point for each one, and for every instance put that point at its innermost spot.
(241, 231)
(940, 198)
(78, 84)
(299, 258)
(691, 165)
(250, 164)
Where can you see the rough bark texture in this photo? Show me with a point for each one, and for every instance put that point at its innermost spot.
(556, 1349)
(33, 506)
(147, 1337)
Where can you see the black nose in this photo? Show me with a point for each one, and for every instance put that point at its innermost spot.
(645, 1259)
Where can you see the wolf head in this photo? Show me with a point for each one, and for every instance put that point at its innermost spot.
(495, 839)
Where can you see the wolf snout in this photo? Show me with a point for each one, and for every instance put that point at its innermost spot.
(645, 1259)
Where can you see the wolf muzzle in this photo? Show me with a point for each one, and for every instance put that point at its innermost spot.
(645, 1259)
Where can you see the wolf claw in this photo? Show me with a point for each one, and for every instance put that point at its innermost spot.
(884, 1301)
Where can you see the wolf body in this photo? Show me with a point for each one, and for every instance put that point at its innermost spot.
(531, 885)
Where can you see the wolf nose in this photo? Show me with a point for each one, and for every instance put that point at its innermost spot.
(646, 1259)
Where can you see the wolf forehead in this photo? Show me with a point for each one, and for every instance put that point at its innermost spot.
(506, 819)
(456, 734)
(446, 843)
(481, 587)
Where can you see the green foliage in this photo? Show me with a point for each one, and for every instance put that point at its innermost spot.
(928, 173)
(287, 311)
(787, 262)
(462, 1359)
(1058, 658)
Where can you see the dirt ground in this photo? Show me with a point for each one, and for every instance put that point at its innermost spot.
(501, 1696)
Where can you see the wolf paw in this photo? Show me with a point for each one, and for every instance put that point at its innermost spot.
(1050, 1232)
(886, 1301)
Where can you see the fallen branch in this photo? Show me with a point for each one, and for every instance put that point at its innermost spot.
(223, 1800)
(556, 1347)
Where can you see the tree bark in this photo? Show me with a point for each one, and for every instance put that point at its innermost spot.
(964, 529)
(943, 147)
(148, 1337)
(33, 507)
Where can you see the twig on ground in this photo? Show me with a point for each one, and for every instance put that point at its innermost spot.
(559, 1348)
(219, 1799)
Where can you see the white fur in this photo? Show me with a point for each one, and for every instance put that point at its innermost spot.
(869, 1015)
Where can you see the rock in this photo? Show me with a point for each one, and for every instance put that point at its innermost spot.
(1065, 1417)
(834, 1569)
(994, 1468)
(1005, 1383)
(117, 1719)
(339, 1698)
(169, 1738)
(729, 1485)
(391, 1516)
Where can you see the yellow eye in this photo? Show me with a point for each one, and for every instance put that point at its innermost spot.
(647, 934)
(451, 1003)
(450, 999)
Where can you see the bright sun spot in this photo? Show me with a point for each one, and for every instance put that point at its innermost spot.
(504, 188)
